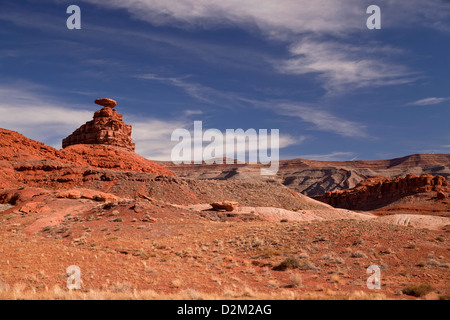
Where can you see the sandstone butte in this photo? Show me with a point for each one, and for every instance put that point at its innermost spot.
(107, 128)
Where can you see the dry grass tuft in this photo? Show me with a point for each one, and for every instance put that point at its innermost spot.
(418, 290)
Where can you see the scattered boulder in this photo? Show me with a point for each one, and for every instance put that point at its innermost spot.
(32, 207)
(143, 196)
(224, 205)
(147, 218)
(69, 194)
(106, 197)
(87, 194)
(441, 195)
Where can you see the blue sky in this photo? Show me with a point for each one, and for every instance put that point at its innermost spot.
(335, 89)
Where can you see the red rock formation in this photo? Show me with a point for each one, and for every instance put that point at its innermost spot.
(377, 192)
(27, 162)
(107, 128)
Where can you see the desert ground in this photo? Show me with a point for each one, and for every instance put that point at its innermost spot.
(153, 250)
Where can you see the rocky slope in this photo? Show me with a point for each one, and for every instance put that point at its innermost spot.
(317, 177)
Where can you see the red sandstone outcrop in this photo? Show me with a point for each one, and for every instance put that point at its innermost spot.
(107, 128)
(377, 192)
(87, 194)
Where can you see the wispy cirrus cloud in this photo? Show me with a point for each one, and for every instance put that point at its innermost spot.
(323, 120)
(271, 17)
(305, 27)
(342, 66)
(283, 17)
(189, 113)
(428, 101)
(195, 90)
(198, 91)
(332, 156)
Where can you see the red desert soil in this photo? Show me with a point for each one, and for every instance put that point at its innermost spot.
(164, 251)
(137, 231)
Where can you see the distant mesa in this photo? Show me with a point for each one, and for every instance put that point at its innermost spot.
(107, 128)
(106, 102)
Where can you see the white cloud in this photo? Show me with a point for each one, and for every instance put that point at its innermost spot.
(189, 113)
(428, 101)
(195, 90)
(37, 116)
(272, 17)
(152, 136)
(43, 118)
(343, 66)
(333, 156)
(283, 17)
(198, 91)
(323, 120)
(161, 146)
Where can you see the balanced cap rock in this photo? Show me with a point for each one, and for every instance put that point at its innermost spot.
(106, 102)
(107, 128)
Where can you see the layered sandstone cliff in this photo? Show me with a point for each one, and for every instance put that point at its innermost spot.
(313, 178)
(426, 191)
